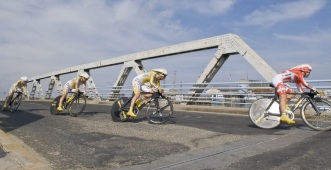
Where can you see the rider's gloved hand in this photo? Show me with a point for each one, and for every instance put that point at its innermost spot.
(319, 91)
(161, 90)
(84, 93)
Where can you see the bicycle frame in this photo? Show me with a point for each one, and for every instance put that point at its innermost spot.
(125, 107)
(315, 111)
(66, 101)
(14, 101)
(304, 96)
(74, 100)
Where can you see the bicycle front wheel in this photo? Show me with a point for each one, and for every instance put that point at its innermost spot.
(15, 103)
(77, 106)
(159, 111)
(259, 114)
(312, 119)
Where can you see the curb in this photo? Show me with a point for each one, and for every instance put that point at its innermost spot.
(20, 156)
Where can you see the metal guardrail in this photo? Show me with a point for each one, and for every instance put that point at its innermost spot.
(227, 94)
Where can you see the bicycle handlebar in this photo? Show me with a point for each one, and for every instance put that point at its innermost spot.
(79, 93)
(311, 93)
(158, 94)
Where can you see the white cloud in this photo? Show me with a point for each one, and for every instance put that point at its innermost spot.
(212, 7)
(318, 38)
(284, 12)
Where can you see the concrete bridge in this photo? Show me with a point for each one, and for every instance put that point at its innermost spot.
(224, 45)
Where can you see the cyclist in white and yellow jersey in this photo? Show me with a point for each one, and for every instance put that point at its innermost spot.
(19, 86)
(73, 85)
(148, 82)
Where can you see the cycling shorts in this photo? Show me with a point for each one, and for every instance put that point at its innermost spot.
(67, 87)
(282, 89)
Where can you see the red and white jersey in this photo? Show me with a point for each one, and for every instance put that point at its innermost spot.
(291, 76)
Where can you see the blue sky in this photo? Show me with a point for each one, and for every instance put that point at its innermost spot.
(38, 36)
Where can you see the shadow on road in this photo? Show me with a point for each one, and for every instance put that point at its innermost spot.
(11, 121)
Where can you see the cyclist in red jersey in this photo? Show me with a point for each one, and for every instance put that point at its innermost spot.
(294, 75)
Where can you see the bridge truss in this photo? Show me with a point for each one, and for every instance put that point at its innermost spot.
(225, 45)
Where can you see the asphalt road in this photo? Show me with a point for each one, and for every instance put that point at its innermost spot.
(191, 140)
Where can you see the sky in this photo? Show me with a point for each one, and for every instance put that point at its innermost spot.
(39, 37)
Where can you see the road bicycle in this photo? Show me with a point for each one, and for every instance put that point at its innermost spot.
(158, 109)
(14, 103)
(76, 104)
(315, 111)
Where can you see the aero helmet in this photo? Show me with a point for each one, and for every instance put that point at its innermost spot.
(24, 78)
(85, 75)
(161, 70)
(303, 67)
(306, 68)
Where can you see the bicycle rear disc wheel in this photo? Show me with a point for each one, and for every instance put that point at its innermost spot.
(15, 103)
(54, 105)
(116, 112)
(257, 114)
(77, 106)
(161, 114)
(320, 122)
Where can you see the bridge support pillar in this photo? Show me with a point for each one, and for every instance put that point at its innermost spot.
(36, 87)
(125, 71)
(55, 81)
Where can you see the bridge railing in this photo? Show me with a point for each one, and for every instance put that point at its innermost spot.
(227, 94)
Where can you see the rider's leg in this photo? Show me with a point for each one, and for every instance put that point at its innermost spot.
(288, 98)
(282, 91)
(64, 94)
(133, 101)
(282, 107)
(8, 98)
(143, 99)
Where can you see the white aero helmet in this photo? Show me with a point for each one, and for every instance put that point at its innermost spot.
(161, 70)
(24, 78)
(85, 75)
(306, 68)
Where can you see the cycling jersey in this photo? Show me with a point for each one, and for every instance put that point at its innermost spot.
(19, 85)
(71, 84)
(290, 76)
(145, 82)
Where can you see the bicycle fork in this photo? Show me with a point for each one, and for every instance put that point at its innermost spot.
(313, 104)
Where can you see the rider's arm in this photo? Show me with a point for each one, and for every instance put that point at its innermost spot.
(153, 81)
(304, 83)
(16, 85)
(25, 91)
(84, 88)
(83, 83)
(77, 84)
(299, 87)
